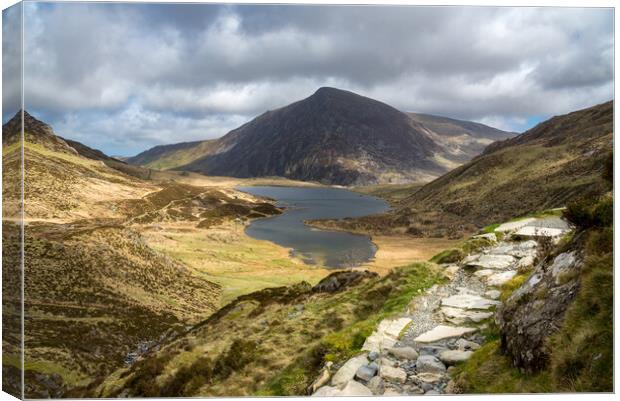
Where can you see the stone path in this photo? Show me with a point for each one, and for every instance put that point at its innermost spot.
(413, 353)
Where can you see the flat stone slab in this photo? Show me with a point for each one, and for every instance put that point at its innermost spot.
(377, 342)
(452, 357)
(492, 294)
(483, 273)
(499, 279)
(348, 370)
(530, 231)
(496, 262)
(461, 316)
(514, 225)
(393, 328)
(443, 332)
(489, 236)
(551, 222)
(469, 301)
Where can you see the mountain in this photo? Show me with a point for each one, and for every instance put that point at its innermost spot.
(334, 137)
(463, 140)
(545, 167)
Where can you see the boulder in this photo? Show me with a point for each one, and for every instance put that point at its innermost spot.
(391, 392)
(393, 374)
(536, 310)
(429, 363)
(452, 357)
(340, 280)
(348, 370)
(407, 353)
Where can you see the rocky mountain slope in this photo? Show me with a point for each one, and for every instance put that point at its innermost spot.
(335, 137)
(462, 140)
(547, 166)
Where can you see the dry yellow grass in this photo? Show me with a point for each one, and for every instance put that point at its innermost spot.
(401, 250)
(225, 255)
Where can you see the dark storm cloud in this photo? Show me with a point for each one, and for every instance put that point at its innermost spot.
(124, 77)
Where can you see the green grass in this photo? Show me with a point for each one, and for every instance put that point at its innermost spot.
(404, 282)
(488, 371)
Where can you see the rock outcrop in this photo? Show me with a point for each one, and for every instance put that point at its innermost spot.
(536, 310)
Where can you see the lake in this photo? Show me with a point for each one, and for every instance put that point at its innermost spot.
(313, 246)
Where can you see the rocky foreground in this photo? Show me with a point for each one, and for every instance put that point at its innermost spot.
(415, 353)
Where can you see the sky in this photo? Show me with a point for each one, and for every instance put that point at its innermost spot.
(125, 77)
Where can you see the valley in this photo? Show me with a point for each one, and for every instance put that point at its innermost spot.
(147, 282)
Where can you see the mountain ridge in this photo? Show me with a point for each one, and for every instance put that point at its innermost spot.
(333, 136)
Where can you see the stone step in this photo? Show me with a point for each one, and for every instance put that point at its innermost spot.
(469, 301)
(462, 316)
(443, 332)
(495, 262)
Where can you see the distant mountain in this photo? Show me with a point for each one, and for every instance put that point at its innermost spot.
(462, 140)
(333, 136)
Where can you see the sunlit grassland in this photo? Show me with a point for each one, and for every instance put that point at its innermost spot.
(226, 256)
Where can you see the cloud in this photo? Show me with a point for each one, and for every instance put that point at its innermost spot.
(129, 76)
(11, 61)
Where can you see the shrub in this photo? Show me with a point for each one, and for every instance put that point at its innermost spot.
(590, 212)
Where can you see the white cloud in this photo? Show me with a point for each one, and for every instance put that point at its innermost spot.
(132, 76)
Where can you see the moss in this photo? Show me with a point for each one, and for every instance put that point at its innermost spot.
(488, 371)
(448, 256)
(388, 297)
(582, 351)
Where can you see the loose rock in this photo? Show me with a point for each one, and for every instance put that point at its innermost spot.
(452, 357)
(429, 363)
(404, 353)
(397, 375)
(348, 370)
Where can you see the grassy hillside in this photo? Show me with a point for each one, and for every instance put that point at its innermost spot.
(543, 168)
(96, 290)
(271, 342)
(170, 157)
